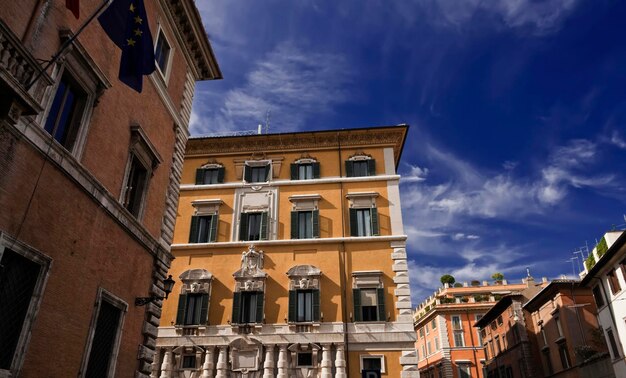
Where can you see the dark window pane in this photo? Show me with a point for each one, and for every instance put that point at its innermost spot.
(360, 168)
(103, 341)
(18, 277)
(65, 112)
(305, 306)
(613, 343)
(597, 295)
(369, 313)
(248, 307)
(204, 229)
(210, 176)
(254, 226)
(305, 171)
(259, 174)
(162, 52)
(135, 186)
(192, 311)
(305, 359)
(189, 362)
(364, 222)
(372, 363)
(305, 224)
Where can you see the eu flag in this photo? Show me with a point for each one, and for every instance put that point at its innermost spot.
(126, 23)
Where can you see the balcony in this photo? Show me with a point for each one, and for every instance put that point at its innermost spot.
(18, 68)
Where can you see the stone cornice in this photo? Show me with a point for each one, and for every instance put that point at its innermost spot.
(393, 136)
(193, 38)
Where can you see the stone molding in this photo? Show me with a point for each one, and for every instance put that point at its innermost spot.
(202, 247)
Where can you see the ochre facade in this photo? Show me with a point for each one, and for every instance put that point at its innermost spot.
(339, 338)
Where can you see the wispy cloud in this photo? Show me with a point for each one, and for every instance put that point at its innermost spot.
(415, 174)
(291, 83)
(617, 140)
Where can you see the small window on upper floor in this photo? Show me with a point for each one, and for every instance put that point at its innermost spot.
(210, 174)
(305, 169)
(162, 54)
(193, 301)
(597, 295)
(203, 228)
(368, 296)
(360, 165)
(614, 282)
(363, 214)
(257, 172)
(253, 226)
(66, 112)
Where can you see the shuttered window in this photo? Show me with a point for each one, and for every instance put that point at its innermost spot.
(305, 171)
(253, 226)
(369, 305)
(305, 224)
(192, 309)
(360, 168)
(136, 183)
(66, 112)
(364, 222)
(304, 306)
(207, 176)
(255, 173)
(203, 228)
(247, 307)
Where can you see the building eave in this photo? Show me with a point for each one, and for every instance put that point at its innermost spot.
(603, 261)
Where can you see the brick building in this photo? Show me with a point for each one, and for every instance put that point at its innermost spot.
(290, 252)
(89, 174)
(447, 344)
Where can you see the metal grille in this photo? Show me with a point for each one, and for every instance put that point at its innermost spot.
(18, 277)
(103, 340)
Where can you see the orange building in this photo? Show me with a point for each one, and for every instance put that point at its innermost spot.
(447, 344)
(291, 254)
(89, 174)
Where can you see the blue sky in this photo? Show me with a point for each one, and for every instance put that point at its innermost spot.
(517, 109)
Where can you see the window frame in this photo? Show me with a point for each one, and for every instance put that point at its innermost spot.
(598, 296)
(165, 76)
(369, 161)
(614, 283)
(564, 355)
(45, 262)
(363, 357)
(255, 164)
(245, 225)
(104, 295)
(295, 169)
(613, 343)
(201, 174)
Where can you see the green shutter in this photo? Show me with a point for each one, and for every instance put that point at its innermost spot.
(236, 315)
(353, 223)
(220, 175)
(247, 173)
(264, 225)
(371, 167)
(199, 176)
(204, 309)
(316, 305)
(259, 307)
(293, 299)
(316, 223)
(294, 225)
(316, 170)
(267, 172)
(349, 170)
(214, 222)
(356, 299)
(182, 305)
(294, 171)
(374, 218)
(243, 227)
(193, 230)
(382, 316)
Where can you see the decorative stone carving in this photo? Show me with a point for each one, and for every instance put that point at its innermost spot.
(245, 355)
(304, 277)
(250, 277)
(305, 371)
(196, 281)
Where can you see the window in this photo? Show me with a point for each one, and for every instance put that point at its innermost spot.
(143, 159)
(614, 282)
(457, 328)
(189, 362)
(304, 306)
(424, 351)
(433, 324)
(436, 344)
(66, 112)
(500, 320)
(479, 333)
(104, 343)
(305, 359)
(257, 173)
(597, 295)
(427, 329)
(305, 171)
(486, 349)
(543, 336)
(365, 166)
(422, 333)
(564, 355)
(372, 366)
(364, 222)
(162, 53)
(498, 346)
(613, 343)
(429, 348)
(305, 224)
(547, 361)
(559, 327)
(369, 305)
(192, 309)
(491, 349)
(203, 228)
(19, 278)
(207, 176)
(253, 226)
(247, 307)
(464, 371)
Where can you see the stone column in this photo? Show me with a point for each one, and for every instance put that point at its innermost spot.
(283, 364)
(327, 364)
(340, 363)
(207, 367)
(222, 363)
(166, 366)
(268, 365)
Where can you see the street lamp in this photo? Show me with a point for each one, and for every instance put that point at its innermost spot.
(168, 285)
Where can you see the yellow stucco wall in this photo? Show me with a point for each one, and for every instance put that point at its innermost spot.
(392, 362)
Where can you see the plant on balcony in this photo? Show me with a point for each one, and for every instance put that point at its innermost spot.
(602, 247)
(447, 279)
(447, 300)
(475, 283)
(458, 284)
(590, 262)
(497, 277)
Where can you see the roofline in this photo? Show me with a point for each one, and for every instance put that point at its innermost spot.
(496, 309)
(612, 251)
(549, 287)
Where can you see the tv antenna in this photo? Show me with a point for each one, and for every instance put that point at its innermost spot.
(267, 121)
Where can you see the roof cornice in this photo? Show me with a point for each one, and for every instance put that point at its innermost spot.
(191, 35)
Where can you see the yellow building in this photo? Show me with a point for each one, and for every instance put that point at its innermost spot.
(290, 259)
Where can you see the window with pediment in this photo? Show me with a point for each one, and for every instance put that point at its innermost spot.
(193, 301)
(360, 165)
(248, 298)
(304, 294)
(210, 173)
(205, 221)
(368, 296)
(305, 216)
(305, 168)
(363, 214)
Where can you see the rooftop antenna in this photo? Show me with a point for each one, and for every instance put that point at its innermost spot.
(267, 121)
(528, 272)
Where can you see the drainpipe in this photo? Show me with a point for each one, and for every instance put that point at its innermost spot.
(342, 264)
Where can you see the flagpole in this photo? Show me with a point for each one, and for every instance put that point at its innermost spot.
(68, 43)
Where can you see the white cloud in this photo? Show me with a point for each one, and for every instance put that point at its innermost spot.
(291, 83)
(461, 236)
(617, 140)
(416, 174)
